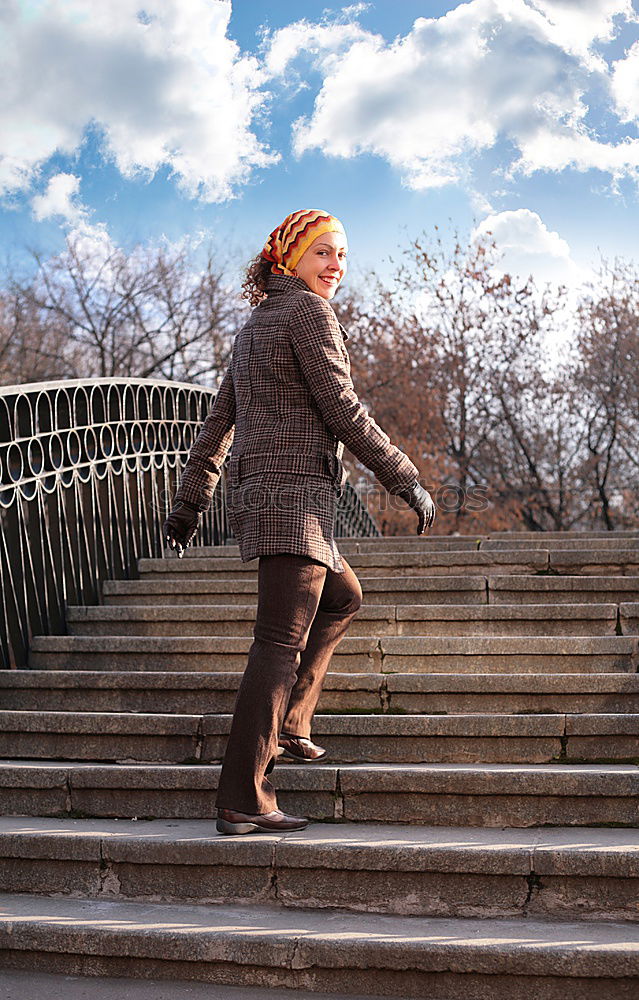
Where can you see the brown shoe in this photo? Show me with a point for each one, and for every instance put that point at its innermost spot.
(300, 749)
(230, 821)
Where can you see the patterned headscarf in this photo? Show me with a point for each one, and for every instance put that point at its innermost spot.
(289, 242)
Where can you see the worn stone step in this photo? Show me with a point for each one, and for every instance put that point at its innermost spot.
(349, 547)
(589, 562)
(377, 590)
(193, 692)
(424, 543)
(371, 619)
(171, 652)
(565, 561)
(186, 692)
(369, 564)
(484, 795)
(567, 542)
(504, 589)
(475, 590)
(629, 618)
(22, 983)
(505, 654)
(504, 620)
(200, 620)
(562, 874)
(454, 738)
(369, 654)
(621, 533)
(598, 693)
(340, 952)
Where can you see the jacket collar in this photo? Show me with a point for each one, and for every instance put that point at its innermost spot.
(284, 284)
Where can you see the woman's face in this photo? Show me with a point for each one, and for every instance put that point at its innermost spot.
(323, 265)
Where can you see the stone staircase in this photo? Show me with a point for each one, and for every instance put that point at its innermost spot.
(476, 827)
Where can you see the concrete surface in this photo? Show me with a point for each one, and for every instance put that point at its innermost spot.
(19, 985)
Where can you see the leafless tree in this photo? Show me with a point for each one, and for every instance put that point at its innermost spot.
(606, 374)
(484, 330)
(151, 312)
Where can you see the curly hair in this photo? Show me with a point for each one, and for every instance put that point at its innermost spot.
(254, 285)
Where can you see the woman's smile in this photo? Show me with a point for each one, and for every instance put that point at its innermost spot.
(323, 265)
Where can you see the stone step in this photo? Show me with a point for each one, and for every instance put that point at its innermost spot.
(194, 692)
(349, 547)
(561, 874)
(450, 693)
(629, 618)
(479, 795)
(383, 563)
(617, 561)
(424, 543)
(610, 544)
(394, 739)
(371, 619)
(25, 983)
(377, 590)
(368, 654)
(474, 590)
(204, 692)
(503, 589)
(400, 956)
(590, 562)
(585, 535)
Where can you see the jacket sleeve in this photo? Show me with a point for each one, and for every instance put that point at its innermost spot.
(202, 471)
(317, 342)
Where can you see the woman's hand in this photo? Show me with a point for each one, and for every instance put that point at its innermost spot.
(181, 526)
(422, 503)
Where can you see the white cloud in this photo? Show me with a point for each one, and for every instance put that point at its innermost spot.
(559, 148)
(625, 84)
(323, 41)
(487, 72)
(578, 24)
(165, 88)
(59, 199)
(530, 248)
(92, 243)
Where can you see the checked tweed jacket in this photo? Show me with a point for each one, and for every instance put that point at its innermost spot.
(289, 396)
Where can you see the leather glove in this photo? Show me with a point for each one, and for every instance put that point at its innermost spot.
(422, 503)
(180, 526)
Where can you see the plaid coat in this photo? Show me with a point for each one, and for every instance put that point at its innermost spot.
(289, 395)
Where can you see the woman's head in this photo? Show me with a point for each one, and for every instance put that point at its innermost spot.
(309, 244)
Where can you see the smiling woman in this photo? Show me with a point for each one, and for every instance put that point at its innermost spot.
(309, 244)
(289, 395)
(324, 264)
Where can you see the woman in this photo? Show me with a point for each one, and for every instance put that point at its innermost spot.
(289, 395)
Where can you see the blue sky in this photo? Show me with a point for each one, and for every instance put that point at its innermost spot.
(132, 121)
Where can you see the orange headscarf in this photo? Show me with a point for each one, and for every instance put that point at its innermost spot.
(289, 242)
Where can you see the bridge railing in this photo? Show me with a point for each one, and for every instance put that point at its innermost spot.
(87, 472)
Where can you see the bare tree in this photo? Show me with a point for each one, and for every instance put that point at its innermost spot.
(151, 312)
(481, 326)
(606, 372)
(32, 348)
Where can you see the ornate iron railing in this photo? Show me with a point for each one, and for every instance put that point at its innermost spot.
(87, 472)
(352, 518)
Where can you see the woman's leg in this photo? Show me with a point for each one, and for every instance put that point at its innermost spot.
(341, 599)
(289, 590)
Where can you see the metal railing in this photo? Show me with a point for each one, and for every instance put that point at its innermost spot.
(87, 472)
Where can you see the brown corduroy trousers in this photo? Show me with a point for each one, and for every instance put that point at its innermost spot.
(303, 611)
